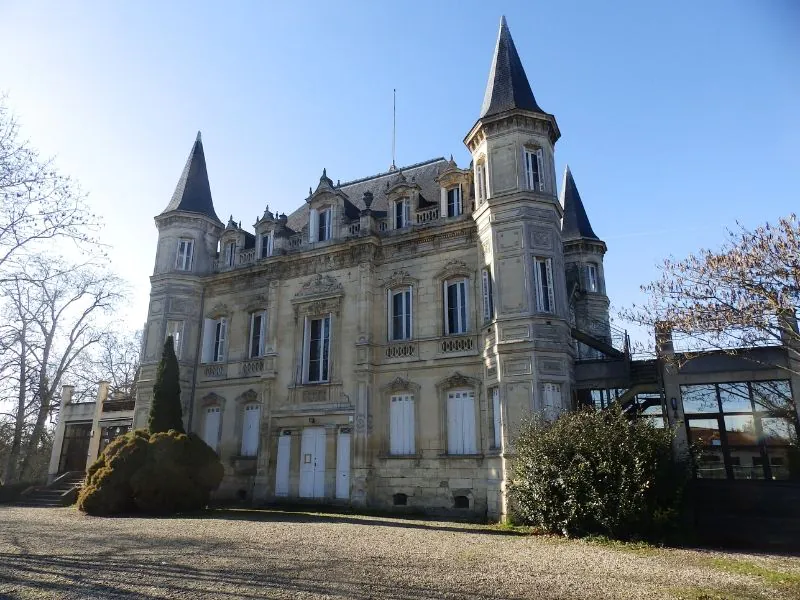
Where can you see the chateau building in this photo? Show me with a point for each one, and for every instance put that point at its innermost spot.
(380, 345)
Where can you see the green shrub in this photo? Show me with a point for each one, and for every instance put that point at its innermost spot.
(592, 472)
(160, 473)
(165, 409)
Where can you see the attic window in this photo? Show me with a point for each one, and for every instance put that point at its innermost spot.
(230, 253)
(454, 207)
(402, 213)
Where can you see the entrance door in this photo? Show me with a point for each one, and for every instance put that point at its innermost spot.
(282, 468)
(343, 465)
(75, 448)
(312, 463)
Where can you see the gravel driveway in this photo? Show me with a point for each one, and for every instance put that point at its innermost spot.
(60, 553)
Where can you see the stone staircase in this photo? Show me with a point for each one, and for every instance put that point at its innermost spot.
(62, 491)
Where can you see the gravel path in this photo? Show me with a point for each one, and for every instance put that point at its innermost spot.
(60, 553)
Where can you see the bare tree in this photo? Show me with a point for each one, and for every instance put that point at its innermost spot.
(744, 294)
(36, 202)
(115, 358)
(53, 312)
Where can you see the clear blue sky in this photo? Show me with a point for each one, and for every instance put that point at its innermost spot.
(677, 118)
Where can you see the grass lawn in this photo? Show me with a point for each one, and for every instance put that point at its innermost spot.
(61, 553)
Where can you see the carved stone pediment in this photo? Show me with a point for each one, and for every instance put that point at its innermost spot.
(217, 311)
(315, 308)
(256, 302)
(398, 384)
(212, 399)
(320, 285)
(399, 278)
(453, 268)
(457, 380)
(248, 397)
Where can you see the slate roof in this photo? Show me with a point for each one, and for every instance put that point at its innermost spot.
(575, 223)
(508, 86)
(423, 174)
(193, 192)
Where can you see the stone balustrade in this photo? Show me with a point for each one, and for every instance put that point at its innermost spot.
(427, 215)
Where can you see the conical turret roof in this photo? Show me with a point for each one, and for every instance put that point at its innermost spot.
(508, 86)
(575, 223)
(193, 192)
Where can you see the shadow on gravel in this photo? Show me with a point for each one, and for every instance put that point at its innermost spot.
(282, 515)
(90, 576)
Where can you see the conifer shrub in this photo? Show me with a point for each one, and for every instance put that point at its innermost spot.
(597, 473)
(162, 473)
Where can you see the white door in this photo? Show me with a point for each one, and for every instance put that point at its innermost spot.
(343, 466)
(282, 468)
(312, 463)
(252, 414)
(211, 427)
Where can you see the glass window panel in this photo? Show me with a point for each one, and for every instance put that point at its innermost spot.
(778, 431)
(741, 430)
(705, 431)
(745, 454)
(699, 399)
(780, 438)
(711, 462)
(772, 395)
(735, 397)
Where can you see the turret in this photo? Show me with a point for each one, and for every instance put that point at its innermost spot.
(583, 257)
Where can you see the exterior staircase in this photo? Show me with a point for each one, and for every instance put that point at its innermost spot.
(62, 491)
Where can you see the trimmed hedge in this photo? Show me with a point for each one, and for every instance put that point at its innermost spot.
(161, 473)
(596, 472)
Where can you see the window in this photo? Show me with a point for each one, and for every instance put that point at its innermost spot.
(454, 207)
(250, 427)
(258, 326)
(551, 396)
(592, 279)
(741, 435)
(455, 307)
(461, 434)
(211, 426)
(533, 170)
(230, 254)
(266, 244)
(175, 329)
(488, 300)
(214, 337)
(544, 285)
(400, 314)
(496, 418)
(317, 349)
(480, 181)
(319, 225)
(401, 425)
(183, 262)
(402, 213)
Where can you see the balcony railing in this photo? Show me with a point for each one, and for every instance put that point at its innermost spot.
(401, 350)
(458, 344)
(427, 215)
(354, 228)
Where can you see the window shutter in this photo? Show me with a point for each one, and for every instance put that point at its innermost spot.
(209, 326)
(304, 361)
(444, 308)
(540, 161)
(498, 431)
(550, 294)
(263, 339)
(468, 422)
(410, 426)
(406, 212)
(454, 437)
(312, 225)
(223, 326)
(487, 314)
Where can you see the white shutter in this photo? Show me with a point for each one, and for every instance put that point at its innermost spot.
(410, 425)
(250, 423)
(328, 223)
(312, 225)
(444, 306)
(459, 204)
(406, 213)
(496, 417)
(209, 330)
(442, 203)
(487, 311)
(223, 333)
(211, 427)
(468, 422)
(263, 337)
(401, 424)
(389, 315)
(550, 295)
(455, 441)
(540, 161)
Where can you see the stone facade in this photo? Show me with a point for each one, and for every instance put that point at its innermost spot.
(416, 395)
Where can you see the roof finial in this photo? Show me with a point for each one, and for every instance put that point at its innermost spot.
(199, 137)
(503, 21)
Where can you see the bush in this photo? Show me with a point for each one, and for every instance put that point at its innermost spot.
(160, 473)
(592, 472)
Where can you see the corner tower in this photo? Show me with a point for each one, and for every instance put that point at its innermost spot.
(583, 257)
(188, 234)
(527, 348)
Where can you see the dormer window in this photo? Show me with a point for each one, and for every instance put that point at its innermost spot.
(402, 213)
(183, 261)
(454, 206)
(230, 254)
(267, 244)
(319, 226)
(534, 171)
